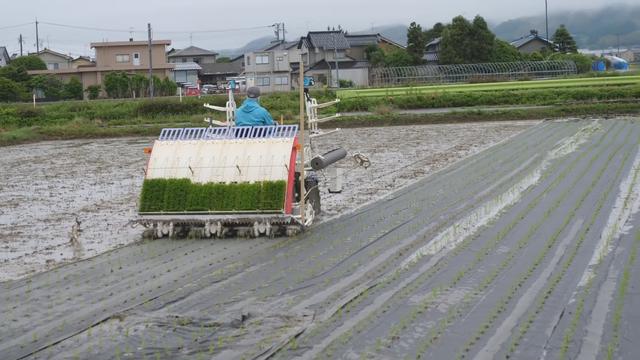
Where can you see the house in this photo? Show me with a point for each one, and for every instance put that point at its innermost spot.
(327, 57)
(333, 55)
(131, 57)
(359, 44)
(186, 73)
(219, 72)
(192, 54)
(82, 61)
(270, 69)
(532, 43)
(432, 51)
(54, 60)
(4, 56)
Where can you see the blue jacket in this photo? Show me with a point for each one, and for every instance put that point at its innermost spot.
(252, 114)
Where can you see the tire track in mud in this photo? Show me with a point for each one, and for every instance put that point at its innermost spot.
(194, 289)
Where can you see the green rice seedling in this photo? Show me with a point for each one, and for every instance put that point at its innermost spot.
(175, 195)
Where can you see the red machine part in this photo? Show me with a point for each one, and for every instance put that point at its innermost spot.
(289, 197)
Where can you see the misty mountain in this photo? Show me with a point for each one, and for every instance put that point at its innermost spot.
(397, 33)
(594, 29)
(253, 45)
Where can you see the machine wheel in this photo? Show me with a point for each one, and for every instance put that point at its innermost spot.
(313, 197)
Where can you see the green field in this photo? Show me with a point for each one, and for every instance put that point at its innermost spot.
(510, 85)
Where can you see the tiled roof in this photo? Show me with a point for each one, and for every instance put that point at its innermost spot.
(221, 68)
(187, 66)
(281, 46)
(328, 40)
(363, 40)
(3, 52)
(193, 51)
(325, 65)
(526, 39)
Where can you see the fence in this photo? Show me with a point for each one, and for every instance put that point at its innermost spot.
(487, 72)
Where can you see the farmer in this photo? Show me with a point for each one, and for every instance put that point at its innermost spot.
(251, 113)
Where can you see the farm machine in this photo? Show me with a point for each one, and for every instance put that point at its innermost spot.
(225, 180)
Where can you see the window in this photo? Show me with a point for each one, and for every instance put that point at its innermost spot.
(248, 60)
(262, 59)
(136, 59)
(122, 58)
(281, 80)
(197, 60)
(184, 60)
(263, 81)
(53, 66)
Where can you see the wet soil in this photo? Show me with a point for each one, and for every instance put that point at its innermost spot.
(45, 187)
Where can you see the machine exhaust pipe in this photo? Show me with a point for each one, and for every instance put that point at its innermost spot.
(321, 162)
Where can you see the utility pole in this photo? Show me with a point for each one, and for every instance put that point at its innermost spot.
(37, 39)
(302, 100)
(284, 34)
(151, 87)
(20, 40)
(546, 18)
(335, 59)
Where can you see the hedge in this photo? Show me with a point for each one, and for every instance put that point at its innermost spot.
(181, 195)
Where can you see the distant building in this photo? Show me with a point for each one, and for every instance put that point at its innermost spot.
(54, 60)
(192, 54)
(358, 45)
(629, 55)
(334, 55)
(186, 73)
(532, 43)
(4, 56)
(131, 57)
(217, 74)
(270, 69)
(82, 61)
(432, 51)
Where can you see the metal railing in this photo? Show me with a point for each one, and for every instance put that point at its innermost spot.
(485, 72)
(225, 133)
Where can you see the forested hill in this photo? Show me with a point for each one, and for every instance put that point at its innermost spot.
(595, 29)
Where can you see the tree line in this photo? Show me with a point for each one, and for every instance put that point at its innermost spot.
(466, 41)
(17, 85)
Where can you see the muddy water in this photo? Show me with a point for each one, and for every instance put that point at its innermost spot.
(67, 200)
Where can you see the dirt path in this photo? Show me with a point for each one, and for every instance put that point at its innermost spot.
(510, 252)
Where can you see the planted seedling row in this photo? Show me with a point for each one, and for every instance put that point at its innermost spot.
(623, 287)
(360, 298)
(501, 305)
(570, 331)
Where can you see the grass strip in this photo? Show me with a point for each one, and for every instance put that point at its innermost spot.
(83, 128)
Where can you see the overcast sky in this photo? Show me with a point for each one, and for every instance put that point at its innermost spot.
(238, 21)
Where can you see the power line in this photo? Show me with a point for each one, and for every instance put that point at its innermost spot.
(91, 28)
(162, 32)
(15, 26)
(215, 31)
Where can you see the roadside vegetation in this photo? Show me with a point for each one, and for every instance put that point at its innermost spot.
(20, 123)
